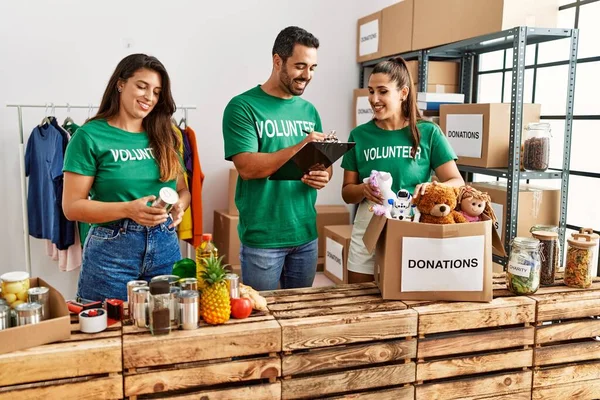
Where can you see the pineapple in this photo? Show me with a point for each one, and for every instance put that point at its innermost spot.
(215, 303)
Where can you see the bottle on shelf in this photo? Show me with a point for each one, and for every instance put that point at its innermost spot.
(204, 251)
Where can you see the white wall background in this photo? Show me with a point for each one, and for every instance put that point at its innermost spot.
(65, 51)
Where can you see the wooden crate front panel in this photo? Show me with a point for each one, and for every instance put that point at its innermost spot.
(183, 377)
(568, 305)
(471, 342)
(568, 330)
(401, 393)
(343, 329)
(575, 381)
(61, 360)
(269, 391)
(348, 356)
(449, 317)
(274, 296)
(320, 386)
(508, 386)
(92, 388)
(567, 353)
(474, 364)
(236, 339)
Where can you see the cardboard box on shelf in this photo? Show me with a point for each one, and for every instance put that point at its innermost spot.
(396, 30)
(337, 244)
(479, 133)
(438, 22)
(55, 329)
(368, 46)
(330, 215)
(418, 261)
(233, 175)
(537, 205)
(225, 236)
(363, 112)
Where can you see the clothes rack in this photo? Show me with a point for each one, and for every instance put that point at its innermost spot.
(23, 179)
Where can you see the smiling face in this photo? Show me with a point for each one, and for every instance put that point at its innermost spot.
(297, 71)
(140, 93)
(385, 97)
(472, 206)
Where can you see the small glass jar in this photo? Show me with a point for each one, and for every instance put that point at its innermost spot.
(159, 307)
(580, 256)
(524, 264)
(550, 228)
(596, 239)
(14, 287)
(549, 247)
(536, 149)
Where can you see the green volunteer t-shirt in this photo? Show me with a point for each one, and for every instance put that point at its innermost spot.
(389, 151)
(273, 214)
(122, 163)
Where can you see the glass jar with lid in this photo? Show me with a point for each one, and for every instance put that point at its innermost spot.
(524, 264)
(550, 255)
(596, 239)
(14, 287)
(580, 256)
(550, 228)
(536, 148)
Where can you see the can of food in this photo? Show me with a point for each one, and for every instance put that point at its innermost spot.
(166, 199)
(130, 286)
(188, 284)
(140, 297)
(28, 313)
(4, 317)
(189, 306)
(41, 295)
(172, 279)
(233, 285)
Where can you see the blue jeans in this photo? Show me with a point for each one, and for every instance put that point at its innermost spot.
(293, 267)
(116, 254)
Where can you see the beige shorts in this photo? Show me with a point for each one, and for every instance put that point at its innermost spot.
(359, 259)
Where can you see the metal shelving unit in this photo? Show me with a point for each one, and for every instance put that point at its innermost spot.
(468, 51)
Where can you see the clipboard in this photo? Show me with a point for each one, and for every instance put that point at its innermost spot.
(313, 156)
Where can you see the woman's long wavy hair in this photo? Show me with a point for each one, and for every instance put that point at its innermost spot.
(163, 139)
(397, 70)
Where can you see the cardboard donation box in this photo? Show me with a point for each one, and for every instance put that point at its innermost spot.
(396, 29)
(329, 215)
(363, 112)
(418, 261)
(233, 176)
(54, 329)
(368, 46)
(225, 236)
(442, 76)
(480, 133)
(337, 244)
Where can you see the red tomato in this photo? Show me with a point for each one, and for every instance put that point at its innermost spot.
(241, 308)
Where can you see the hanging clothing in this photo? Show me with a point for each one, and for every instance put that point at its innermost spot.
(195, 185)
(68, 260)
(184, 230)
(43, 165)
(187, 155)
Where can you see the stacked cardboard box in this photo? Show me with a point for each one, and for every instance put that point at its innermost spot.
(225, 237)
(337, 244)
(330, 215)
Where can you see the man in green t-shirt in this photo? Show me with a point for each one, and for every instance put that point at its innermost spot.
(262, 129)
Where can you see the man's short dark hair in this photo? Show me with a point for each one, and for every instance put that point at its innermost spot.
(291, 36)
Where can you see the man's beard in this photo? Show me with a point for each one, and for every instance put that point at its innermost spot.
(289, 83)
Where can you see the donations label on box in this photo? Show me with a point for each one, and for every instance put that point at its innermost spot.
(450, 264)
(465, 134)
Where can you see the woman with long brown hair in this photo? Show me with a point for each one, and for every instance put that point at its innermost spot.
(121, 158)
(397, 141)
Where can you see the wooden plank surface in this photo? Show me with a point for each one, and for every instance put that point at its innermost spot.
(567, 305)
(256, 392)
(232, 340)
(333, 330)
(491, 386)
(323, 296)
(61, 360)
(567, 353)
(569, 330)
(327, 303)
(448, 317)
(348, 356)
(376, 306)
(97, 388)
(470, 365)
(401, 393)
(349, 381)
(571, 373)
(457, 343)
(579, 390)
(281, 293)
(164, 380)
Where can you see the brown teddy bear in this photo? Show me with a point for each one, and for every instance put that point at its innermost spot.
(437, 205)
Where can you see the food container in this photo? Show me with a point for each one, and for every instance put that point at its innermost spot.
(550, 228)
(188, 284)
(189, 306)
(139, 306)
(233, 285)
(580, 256)
(130, 286)
(536, 149)
(41, 295)
(166, 199)
(4, 317)
(524, 264)
(549, 255)
(28, 313)
(596, 239)
(14, 287)
(159, 308)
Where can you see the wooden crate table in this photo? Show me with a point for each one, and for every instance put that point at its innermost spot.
(237, 360)
(345, 342)
(87, 366)
(567, 352)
